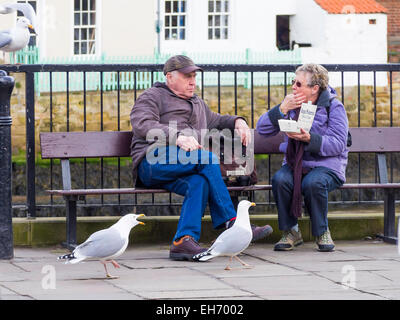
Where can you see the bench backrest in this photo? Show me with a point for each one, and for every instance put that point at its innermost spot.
(380, 139)
(91, 144)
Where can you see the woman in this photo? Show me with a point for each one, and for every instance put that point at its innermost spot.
(315, 162)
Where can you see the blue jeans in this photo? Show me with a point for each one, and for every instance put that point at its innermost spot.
(200, 183)
(315, 187)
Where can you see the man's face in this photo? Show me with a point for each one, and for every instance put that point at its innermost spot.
(182, 84)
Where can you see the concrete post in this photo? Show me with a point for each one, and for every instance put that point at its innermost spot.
(6, 233)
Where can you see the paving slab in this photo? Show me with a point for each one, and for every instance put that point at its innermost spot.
(357, 270)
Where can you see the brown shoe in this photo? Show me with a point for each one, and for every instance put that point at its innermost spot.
(184, 249)
(258, 232)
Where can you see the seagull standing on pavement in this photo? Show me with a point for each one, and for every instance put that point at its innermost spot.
(105, 245)
(234, 240)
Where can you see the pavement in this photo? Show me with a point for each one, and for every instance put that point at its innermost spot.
(357, 270)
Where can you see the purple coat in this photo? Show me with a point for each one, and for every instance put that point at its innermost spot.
(327, 147)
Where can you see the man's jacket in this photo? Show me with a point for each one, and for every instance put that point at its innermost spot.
(159, 110)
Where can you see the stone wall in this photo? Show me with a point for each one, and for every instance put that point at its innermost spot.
(58, 104)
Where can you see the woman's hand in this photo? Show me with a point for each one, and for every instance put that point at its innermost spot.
(302, 136)
(292, 101)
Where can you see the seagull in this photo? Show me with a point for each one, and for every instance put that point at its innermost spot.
(234, 240)
(105, 245)
(25, 8)
(16, 38)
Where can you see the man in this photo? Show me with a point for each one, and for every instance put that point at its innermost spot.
(167, 120)
(315, 162)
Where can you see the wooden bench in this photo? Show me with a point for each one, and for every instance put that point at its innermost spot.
(66, 145)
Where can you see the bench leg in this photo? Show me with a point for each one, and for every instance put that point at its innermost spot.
(235, 200)
(71, 223)
(389, 229)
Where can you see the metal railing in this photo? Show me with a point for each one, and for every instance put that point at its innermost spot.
(143, 80)
(380, 75)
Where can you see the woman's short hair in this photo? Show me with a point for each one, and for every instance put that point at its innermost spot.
(318, 75)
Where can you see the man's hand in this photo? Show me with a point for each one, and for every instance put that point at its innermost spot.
(292, 101)
(243, 130)
(188, 143)
(302, 136)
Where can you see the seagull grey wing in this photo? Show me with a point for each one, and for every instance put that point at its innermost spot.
(5, 38)
(231, 241)
(25, 8)
(101, 244)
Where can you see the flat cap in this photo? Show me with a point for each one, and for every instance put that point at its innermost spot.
(180, 63)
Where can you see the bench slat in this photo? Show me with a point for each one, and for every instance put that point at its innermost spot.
(381, 139)
(91, 144)
(365, 140)
(81, 192)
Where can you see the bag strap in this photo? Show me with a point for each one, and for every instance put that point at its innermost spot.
(349, 138)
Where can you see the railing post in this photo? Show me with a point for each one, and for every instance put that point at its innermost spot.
(30, 144)
(6, 232)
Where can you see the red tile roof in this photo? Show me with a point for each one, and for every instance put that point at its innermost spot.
(351, 6)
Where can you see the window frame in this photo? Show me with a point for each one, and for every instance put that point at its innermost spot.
(219, 22)
(181, 14)
(89, 28)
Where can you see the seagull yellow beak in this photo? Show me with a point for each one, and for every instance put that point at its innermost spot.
(253, 204)
(140, 215)
(32, 28)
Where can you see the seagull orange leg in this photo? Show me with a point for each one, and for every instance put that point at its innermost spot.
(109, 276)
(115, 264)
(228, 267)
(104, 263)
(243, 263)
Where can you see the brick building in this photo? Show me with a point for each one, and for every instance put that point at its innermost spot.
(393, 17)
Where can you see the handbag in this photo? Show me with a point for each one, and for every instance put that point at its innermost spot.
(236, 161)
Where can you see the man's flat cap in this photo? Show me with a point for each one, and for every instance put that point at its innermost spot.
(180, 63)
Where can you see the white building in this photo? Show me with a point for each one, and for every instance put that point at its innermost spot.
(327, 31)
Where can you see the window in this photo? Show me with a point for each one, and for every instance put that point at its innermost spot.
(32, 40)
(218, 19)
(84, 26)
(282, 33)
(175, 20)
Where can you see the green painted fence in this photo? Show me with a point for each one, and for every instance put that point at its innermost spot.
(143, 79)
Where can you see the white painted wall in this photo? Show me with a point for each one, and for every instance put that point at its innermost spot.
(252, 25)
(124, 27)
(128, 27)
(341, 39)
